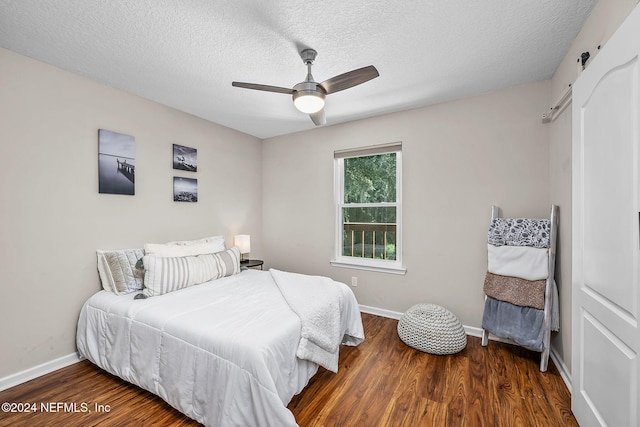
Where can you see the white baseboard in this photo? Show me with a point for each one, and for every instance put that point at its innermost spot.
(38, 371)
(562, 368)
(470, 330)
(473, 331)
(381, 312)
(477, 332)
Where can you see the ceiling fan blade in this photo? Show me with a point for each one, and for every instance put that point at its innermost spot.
(266, 88)
(350, 79)
(318, 118)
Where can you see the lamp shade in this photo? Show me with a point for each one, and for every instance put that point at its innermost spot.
(243, 242)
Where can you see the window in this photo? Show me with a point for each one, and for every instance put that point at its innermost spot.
(368, 208)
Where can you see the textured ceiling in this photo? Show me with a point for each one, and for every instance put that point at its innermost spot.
(186, 53)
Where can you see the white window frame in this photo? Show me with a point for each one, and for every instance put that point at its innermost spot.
(372, 264)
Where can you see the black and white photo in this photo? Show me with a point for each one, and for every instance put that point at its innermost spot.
(116, 163)
(185, 158)
(185, 189)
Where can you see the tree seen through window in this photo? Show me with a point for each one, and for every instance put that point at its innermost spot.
(369, 212)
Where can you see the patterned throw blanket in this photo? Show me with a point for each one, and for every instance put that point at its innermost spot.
(520, 232)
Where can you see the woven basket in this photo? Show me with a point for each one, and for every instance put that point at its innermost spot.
(432, 329)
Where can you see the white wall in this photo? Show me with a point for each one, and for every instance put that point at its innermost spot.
(604, 19)
(52, 218)
(459, 158)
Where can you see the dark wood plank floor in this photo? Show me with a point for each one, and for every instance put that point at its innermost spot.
(380, 383)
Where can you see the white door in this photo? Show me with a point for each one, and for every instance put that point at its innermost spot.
(606, 217)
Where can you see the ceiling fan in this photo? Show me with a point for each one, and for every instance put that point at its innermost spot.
(308, 96)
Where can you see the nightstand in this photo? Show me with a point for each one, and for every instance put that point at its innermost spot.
(251, 263)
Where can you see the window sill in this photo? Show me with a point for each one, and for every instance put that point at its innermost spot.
(391, 269)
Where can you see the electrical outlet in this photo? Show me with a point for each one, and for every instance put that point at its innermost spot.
(354, 281)
(546, 117)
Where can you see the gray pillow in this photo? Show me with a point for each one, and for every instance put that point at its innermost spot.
(118, 272)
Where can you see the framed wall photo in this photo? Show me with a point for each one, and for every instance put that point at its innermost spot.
(185, 189)
(185, 158)
(116, 163)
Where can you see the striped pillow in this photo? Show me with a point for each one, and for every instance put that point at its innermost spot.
(228, 262)
(167, 274)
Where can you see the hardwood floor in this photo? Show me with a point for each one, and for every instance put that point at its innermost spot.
(380, 383)
(383, 382)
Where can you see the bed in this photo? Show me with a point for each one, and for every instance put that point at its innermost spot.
(224, 352)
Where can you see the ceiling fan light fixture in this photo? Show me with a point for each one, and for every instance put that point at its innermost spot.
(309, 102)
(308, 97)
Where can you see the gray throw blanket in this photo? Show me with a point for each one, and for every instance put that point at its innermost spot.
(524, 325)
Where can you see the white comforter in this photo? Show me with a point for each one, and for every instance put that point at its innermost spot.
(223, 352)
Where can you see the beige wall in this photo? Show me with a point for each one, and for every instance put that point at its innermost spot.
(52, 218)
(605, 18)
(459, 158)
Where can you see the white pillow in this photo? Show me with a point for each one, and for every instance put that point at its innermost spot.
(167, 274)
(177, 249)
(219, 240)
(208, 245)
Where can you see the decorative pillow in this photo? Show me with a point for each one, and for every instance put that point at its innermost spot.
(174, 250)
(228, 262)
(167, 274)
(118, 272)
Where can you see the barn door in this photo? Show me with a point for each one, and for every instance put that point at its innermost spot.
(606, 217)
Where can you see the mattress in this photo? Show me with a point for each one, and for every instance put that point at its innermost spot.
(222, 352)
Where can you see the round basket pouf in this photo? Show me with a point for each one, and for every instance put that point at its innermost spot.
(432, 329)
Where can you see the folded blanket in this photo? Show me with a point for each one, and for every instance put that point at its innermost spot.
(518, 261)
(525, 293)
(520, 232)
(318, 303)
(524, 325)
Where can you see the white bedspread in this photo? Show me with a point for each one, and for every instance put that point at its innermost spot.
(223, 352)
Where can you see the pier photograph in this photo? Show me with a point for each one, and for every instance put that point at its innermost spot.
(116, 163)
(185, 158)
(185, 189)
